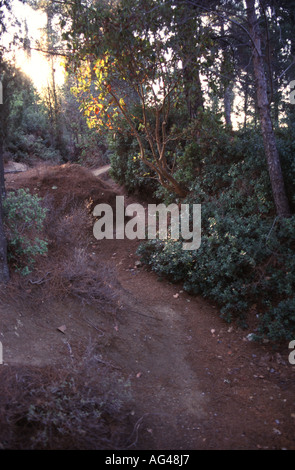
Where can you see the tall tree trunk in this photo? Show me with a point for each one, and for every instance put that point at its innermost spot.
(276, 111)
(227, 69)
(193, 91)
(246, 97)
(4, 270)
(228, 98)
(271, 151)
(2, 179)
(255, 111)
(55, 111)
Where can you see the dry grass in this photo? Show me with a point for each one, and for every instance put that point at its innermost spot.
(78, 405)
(69, 268)
(81, 405)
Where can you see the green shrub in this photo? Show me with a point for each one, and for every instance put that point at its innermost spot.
(278, 323)
(246, 255)
(286, 147)
(25, 146)
(127, 168)
(23, 219)
(241, 262)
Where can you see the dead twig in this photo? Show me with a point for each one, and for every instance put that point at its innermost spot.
(95, 327)
(136, 430)
(43, 279)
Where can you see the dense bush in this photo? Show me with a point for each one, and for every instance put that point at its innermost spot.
(27, 147)
(286, 147)
(23, 218)
(127, 168)
(79, 405)
(246, 259)
(242, 261)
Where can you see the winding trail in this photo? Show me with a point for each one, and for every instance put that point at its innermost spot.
(196, 381)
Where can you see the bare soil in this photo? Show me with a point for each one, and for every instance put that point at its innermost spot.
(196, 382)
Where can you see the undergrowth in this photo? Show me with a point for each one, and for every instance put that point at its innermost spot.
(246, 261)
(24, 217)
(81, 405)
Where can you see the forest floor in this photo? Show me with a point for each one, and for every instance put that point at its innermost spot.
(195, 382)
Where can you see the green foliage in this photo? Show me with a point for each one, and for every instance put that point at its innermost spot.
(242, 262)
(127, 168)
(286, 148)
(118, 68)
(78, 405)
(278, 323)
(25, 120)
(66, 408)
(34, 130)
(246, 259)
(141, 66)
(27, 147)
(23, 219)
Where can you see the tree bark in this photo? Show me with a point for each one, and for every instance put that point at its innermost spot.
(228, 105)
(4, 270)
(194, 99)
(246, 97)
(271, 151)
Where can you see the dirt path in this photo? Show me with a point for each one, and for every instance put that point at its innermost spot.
(199, 383)
(196, 382)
